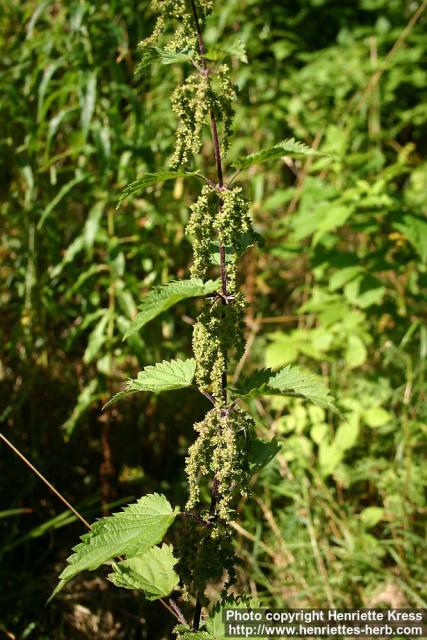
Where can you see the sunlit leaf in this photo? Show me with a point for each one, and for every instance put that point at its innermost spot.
(162, 298)
(132, 531)
(289, 147)
(163, 376)
(151, 572)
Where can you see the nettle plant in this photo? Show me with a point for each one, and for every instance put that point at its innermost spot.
(226, 451)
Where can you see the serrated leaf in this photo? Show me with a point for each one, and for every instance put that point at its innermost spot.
(151, 572)
(165, 296)
(261, 452)
(291, 381)
(215, 623)
(148, 179)
(254, 385)
(295, 381)
(162, 376)
(153, 54)
(288, 147)
(236, 48)
(134, 530)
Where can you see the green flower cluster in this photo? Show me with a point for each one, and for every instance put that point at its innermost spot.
(203, 557)
(217, 336)
(201, 95)
(184, 36)
(190, 103)
(219, 216)
(220, 450)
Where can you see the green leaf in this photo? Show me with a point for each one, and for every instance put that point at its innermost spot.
(319, 432)
(356, 352)
(295, 381)
(135, 529)
(376, 417)
(148, 179)
(57, 199)
(163, 376)
(330, 456)
(88, 102)
(154, 54)
(347, 434)
(236, 48)
(84, 400)
(414, 227)
(371, 516)
(261, 452)
(151, 572)
(244, 241)
(165, 296)
(215, 623)
(255, 385)
(96, 340)
(194, 635)
(288, 147)
(291, 381)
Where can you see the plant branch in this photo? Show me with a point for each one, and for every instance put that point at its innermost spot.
(178, 613)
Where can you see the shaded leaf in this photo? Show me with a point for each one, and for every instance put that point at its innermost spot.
(255, 385)
(57, 199)
(261, 452)
(414, 228)
(83, 403)
(236, 48)
(244, 241)
(148, 179)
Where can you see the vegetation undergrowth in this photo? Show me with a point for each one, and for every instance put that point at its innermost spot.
(338, 284)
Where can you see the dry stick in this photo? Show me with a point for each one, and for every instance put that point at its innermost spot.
(223, 271)
(67, 504)
(41, 476)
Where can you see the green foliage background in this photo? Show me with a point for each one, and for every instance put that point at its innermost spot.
(338, 286)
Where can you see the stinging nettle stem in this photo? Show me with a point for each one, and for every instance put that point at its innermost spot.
(224, 287)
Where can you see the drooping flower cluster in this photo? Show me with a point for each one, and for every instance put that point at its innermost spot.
(217, 336)
(220, 451)
(190, 103)
(219, 216)
(201, 95)
(176, 12)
